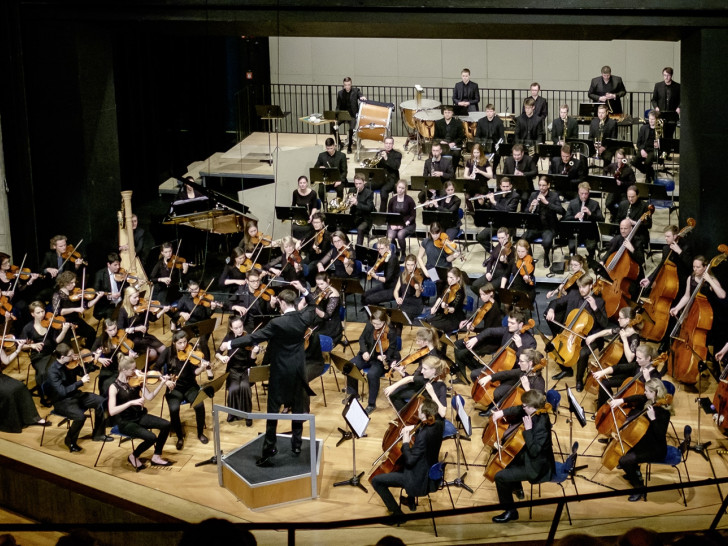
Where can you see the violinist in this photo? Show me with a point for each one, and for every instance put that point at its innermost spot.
(477, 168)
(193, 307)
(134, 320)
(417, 460)
(326, 300)
(17, 409)
(700, 273)
(577, 269)
(491, 318)
(635, 247)
(247, 304)
(377, 348)
(447, 312)
(340, 258)
(288, 265)
(64, 390)
(182, 384)
(593, 305)
(71, 310)
(547, 205)
(384, 274)
(428, 378)
(238, 361)
(319, 246)
(362, 205)
(104, 282)
(304, 196)
(126, 408)
(624, 175)
(630, 324)
(407, 292)
(521, 275)
(498, 262)
(633, 208)
(652, 447)
(15, 289)
(430, 254)
(522, 376)
(403, 204)
(164, 275)
(583, 209)
(233, 274)
(535, 462)
(251, 238)
(511, 333)
(450, 203)
(41, 344)
(54, 263)
(428, 343)
(106, 355)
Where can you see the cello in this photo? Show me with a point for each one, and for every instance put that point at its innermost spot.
(691, 330)
(720, 402)
(623, 271)
(567, 344)
(664, 290)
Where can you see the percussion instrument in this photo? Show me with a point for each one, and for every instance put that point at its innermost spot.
(373, 122)
(425, 122)
(409, 108)
(509, 120)
(470, 123)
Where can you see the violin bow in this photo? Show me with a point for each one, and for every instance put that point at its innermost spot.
(50, 323)
(122, 339)
(15, 284)
(200, 296)
(83, 289)
(69, 254)
(78, 348)
(144, 382)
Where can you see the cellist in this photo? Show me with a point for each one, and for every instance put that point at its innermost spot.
(417, 460)
(522, 376)
(425, 380)
(652, 447)
(711, 284)
(594, 305)
(429, 345)
(492, 318)
(535, 462)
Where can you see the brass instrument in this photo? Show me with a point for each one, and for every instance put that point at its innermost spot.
(566, 123)
(339, 205)
(567, 167)
(372, 162)
(659, 132)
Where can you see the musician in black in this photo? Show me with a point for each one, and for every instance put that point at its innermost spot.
(246, 304)
(506, 201)
(403, 204)
(448, 203)
(319, 246)
(583, 209)
(678, 251)
(633, 208)
(547, 205)
(666, 98)
(608, 89)
(540, 104)
(390, 161)
(572, 301)
(192, 309)
(430, 255)
(450, 133)
(332, 159)
(347, 100)
(624, 175)
(437, 165)
(567, 165)
(647, 150)
(520, 164)
(600, 128)
(499, 260)
(492, 318)
(490, 132)
(522, 376)
(466, 93)
(635, 247)
(340, 258)
(529, 126)
(427, 380)
(557, 126)
(535, 462)
(166, 276)
(238, 362)
(384, 277)
(304, 196)
(362, 205)
(104, 281)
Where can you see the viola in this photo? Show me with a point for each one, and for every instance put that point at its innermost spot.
(9, 343)
(294, 258)
(192, 356)
(264, 293)
(72, 254)
(122, 342)
(417, 277)
(664, 290)
(79, 359)
(504, 252)
(343, 255)
(443, 242)
(177, 262)
(381, 341)
(88, 294)
(307, 336)
(24, 273)
(449, 296)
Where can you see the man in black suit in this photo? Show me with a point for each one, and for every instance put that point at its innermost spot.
(417, 460)
(288, 384)
(566, 165)
(540, 105)
(521, 164)
(347, 99)
(647, 149)
(583, 209)
(104, 281)
(436, 165)
(450, 133)
(632, 209)
(529, 127)
(547, 205)
(608, 89)
(535, 463)
(390, 161)
(623, 173)
(466, 93)
(362, 205)
(489, 132)
(602, 127)
(666, 98)
(332, 159)
(557, 126)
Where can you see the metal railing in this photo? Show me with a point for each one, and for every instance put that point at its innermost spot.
(305, 99)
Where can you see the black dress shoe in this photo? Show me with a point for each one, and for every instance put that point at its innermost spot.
(409, 502)
(546, 262)
(637, 496)
(103, 438)
(348, 150)
(579, 386)
(73, 448)
(520, 495)
(565, 373)
(180, 443)
(485, 413)
(370, 409)
(248, 422)
(296, 451)
(203, 439)
(266, 459)
(505, 517)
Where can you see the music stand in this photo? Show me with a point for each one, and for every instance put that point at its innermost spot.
(586, 231)
(458, 414)
(208, 390)
(604, 184)
(615, 144)
(575, 409)
(548, 150)
(347, 287)
(197, 329)
(386, 218)
(366, 255)
(373, 177)
(343, 222)
(515, 298)
(291, 214)
(445, 219)
(327, 176)
(395, 314)
(563, 186)
(589, 109)
(505, 149)
(423, 183)
(357, 420)
(270, 113)
(652, 192)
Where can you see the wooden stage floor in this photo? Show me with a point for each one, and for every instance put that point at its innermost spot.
(192, 494)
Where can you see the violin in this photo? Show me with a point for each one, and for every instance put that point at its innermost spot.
(264, 293)
(413, 357)
(261, 239)
(54, 321)
(307, 336)
(343, 255)
(448, 297)
(145, 304)
(88, 294)
(151, 377)
(204, 299)
(177, 262)
(373, 270)
(72, 254)
(9, 343)
(294, 258)
(417, 277)
(5, 305)
(525, 267)
(568, 283)
(124, 276)
(83, 357)
(504, 252)
(122, 342)
(443, 242)
(192, 356)
(324, 294)
(381, 342)
(24, 273)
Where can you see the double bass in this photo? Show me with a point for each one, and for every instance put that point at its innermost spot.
(665, 288)
(691, 330)
(623, 271)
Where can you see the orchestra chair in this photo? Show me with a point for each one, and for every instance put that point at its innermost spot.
(553, 397)
(437, 482)
(64, 420)
(563, 471)
(327, 345)
(114, 431)
(673, 458)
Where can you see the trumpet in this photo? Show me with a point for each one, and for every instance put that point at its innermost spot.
(372, 162)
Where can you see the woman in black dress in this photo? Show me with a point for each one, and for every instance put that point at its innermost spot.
(231, 277)
(326, 299)
(340, 258)
(403, 204)
(136, 326)
(451, 204)
(304, 196)
(408, 290)
(166, 279)
(107, 355)
(477, 168)
(17, 409)
(238, 361)
(447, 312)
